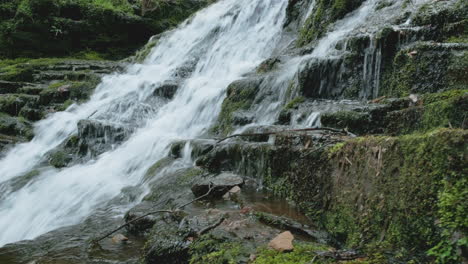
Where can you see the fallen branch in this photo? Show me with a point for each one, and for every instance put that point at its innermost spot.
(211, 227)
(95, 241)
(342, 131)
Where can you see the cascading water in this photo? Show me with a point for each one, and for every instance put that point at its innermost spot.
(219, 45)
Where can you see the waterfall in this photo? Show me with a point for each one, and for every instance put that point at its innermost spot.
(215, 47)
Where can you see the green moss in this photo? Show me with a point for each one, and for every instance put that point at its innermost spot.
(294, 103)
(217, 250)
(111, 29)
(240, 97)
(446, 109)
(337, 147)
(13, 103)
(59, 159)
(325, 13)
(356, 122)
(143, 53)
(395, 197)
(157, 167)
(303, 253)
(188, 176)
(65, 105)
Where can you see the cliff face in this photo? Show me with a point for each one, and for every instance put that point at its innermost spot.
(364, 158)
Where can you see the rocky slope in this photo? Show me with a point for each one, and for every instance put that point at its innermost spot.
(385, 182)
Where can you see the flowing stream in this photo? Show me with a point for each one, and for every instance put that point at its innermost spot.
(218, 45)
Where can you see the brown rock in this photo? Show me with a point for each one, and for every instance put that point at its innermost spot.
(232, 192)
(282, 242)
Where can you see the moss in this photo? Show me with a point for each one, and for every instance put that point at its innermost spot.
(63, 92)
(325, 13)
(394, 197)
(214, 249)
(110, 29)
(294, 103)
(446, 109)
(59, 159)
(240, 96)
(15, 126)
(335, 148)
(65, 105)
(188, 176)
(13, 103)
(143, 53)
(355, 122)
(157, 167)
(303, 253)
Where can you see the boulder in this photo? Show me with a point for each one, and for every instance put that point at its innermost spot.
(220, 185)
(282, 242)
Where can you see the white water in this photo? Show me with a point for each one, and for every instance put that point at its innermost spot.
(226, 40)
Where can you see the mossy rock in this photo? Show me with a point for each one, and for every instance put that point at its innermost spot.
(13, 103)
(446, 109)
(325, 13)
(426, 68)
(240, 96)
(219, 248)
(15, 126)
(356, 122)
(59, 159)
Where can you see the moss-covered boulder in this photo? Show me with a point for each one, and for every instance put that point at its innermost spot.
(323, 15)
(240, 96)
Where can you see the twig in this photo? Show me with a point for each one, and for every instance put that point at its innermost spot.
(128, 223)
(292, 130)
(95, 241)
(211, 187)
(211, 227)
(313, 260)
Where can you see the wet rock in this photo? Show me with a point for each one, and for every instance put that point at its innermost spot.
(171, 237)
(100, 136)
(294, 227)
(59, 159)
(282, 242)
(240, 97)
(13, 103)
(232, 194)
(119, 238)
(14, 126)
(220, 185)
(167, 89)
(9, 87)
(143, 224)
